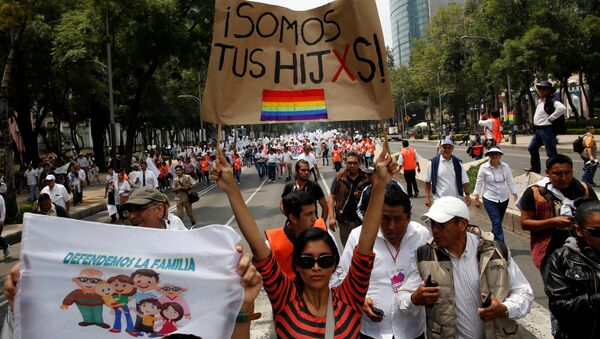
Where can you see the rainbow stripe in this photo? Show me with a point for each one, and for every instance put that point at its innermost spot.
(306, 104)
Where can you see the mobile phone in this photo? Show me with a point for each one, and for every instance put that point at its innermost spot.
(430, 282)
(487, 302)
(378, 311)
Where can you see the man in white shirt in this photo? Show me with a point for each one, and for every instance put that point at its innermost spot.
(471, 286)
(84, 165)
(395, 247)
(546, 111)
(57, 192)
(446, 176)
(31, 176)
(312, 161)
(145, 177)
(82, 176)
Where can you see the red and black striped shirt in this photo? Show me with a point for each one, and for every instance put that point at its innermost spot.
(292, 317)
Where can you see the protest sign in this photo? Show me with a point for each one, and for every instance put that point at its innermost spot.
(89, 280)
(270, 63)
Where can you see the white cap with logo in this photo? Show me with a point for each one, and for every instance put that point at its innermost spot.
(446, 208)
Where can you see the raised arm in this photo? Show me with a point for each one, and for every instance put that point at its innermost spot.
(384, 171)
(222, 173)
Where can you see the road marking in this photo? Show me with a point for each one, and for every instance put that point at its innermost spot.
(324, 183)
(246, 202)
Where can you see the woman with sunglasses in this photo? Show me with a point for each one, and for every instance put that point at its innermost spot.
(494, 183)
(300, 307)
(573, 281)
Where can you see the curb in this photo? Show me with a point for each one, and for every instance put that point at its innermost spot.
(561, 147)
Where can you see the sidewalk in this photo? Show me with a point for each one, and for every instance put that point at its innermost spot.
(565, 142)
(93, 202)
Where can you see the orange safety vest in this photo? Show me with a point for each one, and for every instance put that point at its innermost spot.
(283, 249)
(410, 159)
(237, 164)
(496, 132)
(336, 155)
(477, 149)
(204, 165)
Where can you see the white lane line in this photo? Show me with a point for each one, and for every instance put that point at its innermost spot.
(334, 235)
(201, 193)
(228, 223)
(325, 184)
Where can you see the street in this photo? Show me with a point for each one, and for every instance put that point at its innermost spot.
(263, 199)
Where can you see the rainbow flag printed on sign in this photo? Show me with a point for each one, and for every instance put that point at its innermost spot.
(306, 104)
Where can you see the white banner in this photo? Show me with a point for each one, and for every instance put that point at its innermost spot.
(90, 280)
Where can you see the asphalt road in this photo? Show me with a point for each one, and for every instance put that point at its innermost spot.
(263, 199)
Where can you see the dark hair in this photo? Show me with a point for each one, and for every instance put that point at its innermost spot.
(124, 279)
(43, 197)
(353, 154)
(145, 273)
(558, 159)
(175, 306)
(495, 114)
(584, 209)
(404, 143)
(311, 234)
(179, 166)
(301, 162)
(395, 196)
(154, 302)
(182, 336)
(294, 201)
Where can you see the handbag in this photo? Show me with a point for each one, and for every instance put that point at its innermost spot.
(193, 197)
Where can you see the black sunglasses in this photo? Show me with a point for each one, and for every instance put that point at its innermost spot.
(174, 289)
(139, 208)
(92, 280)
(432, 223)
(324, 260)
(594, 231)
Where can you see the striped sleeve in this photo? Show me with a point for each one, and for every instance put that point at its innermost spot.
(279, 287)
(354, 288)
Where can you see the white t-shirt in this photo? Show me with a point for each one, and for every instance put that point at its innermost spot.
(32, 177)
(310, 158)
(446, 179)
(58, 194)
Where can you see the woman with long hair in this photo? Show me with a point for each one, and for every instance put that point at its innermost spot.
(300, 307)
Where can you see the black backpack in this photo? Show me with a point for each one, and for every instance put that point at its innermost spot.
(559, 124)
(578, 146)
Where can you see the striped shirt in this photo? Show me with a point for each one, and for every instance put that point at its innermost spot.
(292, 317)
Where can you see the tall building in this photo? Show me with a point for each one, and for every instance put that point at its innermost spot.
(409, 19)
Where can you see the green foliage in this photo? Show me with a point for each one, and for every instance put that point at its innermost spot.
(433, 137)
(472, 174)
(26, 208)
(576, 131)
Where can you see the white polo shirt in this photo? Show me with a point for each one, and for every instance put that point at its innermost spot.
(446, 179)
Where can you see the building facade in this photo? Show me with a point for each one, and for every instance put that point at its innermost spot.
(409, 19)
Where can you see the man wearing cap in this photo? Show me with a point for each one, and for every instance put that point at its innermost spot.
(546, 112)
(182, 184)
(57, 192)
(446, 177)
(459, 268)
(312, 161)
(395, 247)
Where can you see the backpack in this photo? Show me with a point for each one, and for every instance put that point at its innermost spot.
(578, 146)
(559, 124)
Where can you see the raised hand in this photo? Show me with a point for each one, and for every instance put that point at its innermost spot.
(222, 173)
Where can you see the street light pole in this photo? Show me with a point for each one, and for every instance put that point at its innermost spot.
(404, 99)
(200, 105)
(111, 104)
(197, 100)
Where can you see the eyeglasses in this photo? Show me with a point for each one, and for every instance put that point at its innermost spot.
(174, 289)
(138, 208)
(92, 280)
(594, 231)
(432, 223)
(324, 261)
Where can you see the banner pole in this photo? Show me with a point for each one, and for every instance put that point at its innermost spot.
(219, 132)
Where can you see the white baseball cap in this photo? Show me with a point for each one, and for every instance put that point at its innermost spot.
(447, 142)
(446, 208)
(50, 177)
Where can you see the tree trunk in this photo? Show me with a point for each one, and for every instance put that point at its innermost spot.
(5, 112)
(531, 106)
(565, 86)
(98, 127)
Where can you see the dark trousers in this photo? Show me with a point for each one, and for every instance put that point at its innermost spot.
(495, 211)
(363, 336)
(3, 243)
(337, 165)
(544, 135)
(411, 182)
(272, 167)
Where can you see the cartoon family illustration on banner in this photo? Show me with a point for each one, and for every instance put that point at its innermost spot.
(158, 307)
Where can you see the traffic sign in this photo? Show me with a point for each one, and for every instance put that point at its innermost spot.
(407, 118)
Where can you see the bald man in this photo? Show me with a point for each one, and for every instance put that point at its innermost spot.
(88, 302)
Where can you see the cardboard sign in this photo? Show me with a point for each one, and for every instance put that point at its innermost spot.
(270, 63)
(90, 280)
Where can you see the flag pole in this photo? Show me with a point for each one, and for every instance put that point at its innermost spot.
(219, 132)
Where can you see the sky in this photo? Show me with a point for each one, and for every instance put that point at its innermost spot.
(383, 7)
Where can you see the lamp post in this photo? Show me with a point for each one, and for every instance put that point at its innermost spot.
(199, 102)
(513, 137)
(405, 114)
(111, 104)
(441, 96)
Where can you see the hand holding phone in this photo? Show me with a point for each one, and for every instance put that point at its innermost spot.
(487, 302)
(378, 311)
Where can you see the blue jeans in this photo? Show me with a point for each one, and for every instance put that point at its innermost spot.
(261, 168)
(125, 311)
(237, 175)
(272, 168)
(588, 173)
(495, 211)
(32, 191)
(544, 135)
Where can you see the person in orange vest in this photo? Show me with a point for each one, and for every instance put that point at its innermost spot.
(237, 166)
(301, 212)
(336, 157)
(409, 164)
(492, 128)
(205, 167)
(368, 151)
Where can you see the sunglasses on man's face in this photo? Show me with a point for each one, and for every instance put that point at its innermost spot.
(432, 223)
(593, 231)
(324, 261)
(139, 208)
(92, 280)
